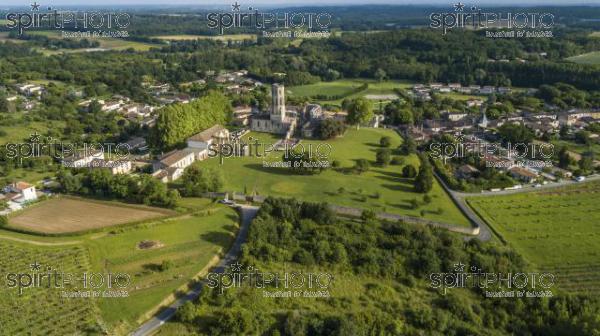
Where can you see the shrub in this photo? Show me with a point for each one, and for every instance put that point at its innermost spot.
(397, 160)
(385, 141)
(166, 265)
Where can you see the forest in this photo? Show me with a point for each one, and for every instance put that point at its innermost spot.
(388, 260)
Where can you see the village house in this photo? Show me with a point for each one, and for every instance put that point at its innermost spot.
(522, 174)
(466, 171)
(82, 158)
(20, 192)
(30, 90)
(200, 142)
(172, 164)
(114, 167)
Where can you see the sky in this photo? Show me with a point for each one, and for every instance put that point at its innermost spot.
(273, 3)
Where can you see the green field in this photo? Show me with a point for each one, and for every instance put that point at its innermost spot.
(105, 43)
(558, 230)
(188, 241)
(380, 189)
(18, 133)
(347, 87)
(588, 58)
(232, 37)
(577, 147)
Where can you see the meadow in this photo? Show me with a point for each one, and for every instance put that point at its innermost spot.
(588, 58)
(182, 246)
(557, 230)
(224, 38)
(106, 43)
(382, 189)
(347, 87)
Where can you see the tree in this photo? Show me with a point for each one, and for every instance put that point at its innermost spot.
(361, 166)
(198, 180)
(380, 75)
(564, 158)
(586, 163)
(368, 215)
(383, 156)
(330, 128)
(385, 141)
(409, 146)
(360, 111)
(583, 137)
(4, 105)
(409, 171)
(424, 180)
(176, 122)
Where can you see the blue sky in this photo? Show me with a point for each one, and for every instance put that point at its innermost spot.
(213, 3)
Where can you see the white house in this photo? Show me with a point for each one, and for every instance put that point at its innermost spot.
(205, 138)
(24, 191)
(170, 166)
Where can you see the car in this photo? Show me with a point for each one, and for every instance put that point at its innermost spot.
(580, 178)
(228, 202)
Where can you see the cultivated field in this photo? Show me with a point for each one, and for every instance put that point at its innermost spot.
(589, 58)
(65, 215)
(186, 242)
(558, 230)
(380, 189)
(41, 311)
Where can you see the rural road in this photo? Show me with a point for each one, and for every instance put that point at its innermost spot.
(247, 214)
(485, 233)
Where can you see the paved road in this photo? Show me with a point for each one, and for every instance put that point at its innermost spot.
(247, 214)
(485, 233)
(563, 183)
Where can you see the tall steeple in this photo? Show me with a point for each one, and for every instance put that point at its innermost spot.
(484, 121)
(277, 102)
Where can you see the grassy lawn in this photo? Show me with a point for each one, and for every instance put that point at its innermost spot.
(231, 37)
(345, 88)
(588, 58)
(557, 230)
(187, 241)
(18, 133)
(380, 189)
(105, 43)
